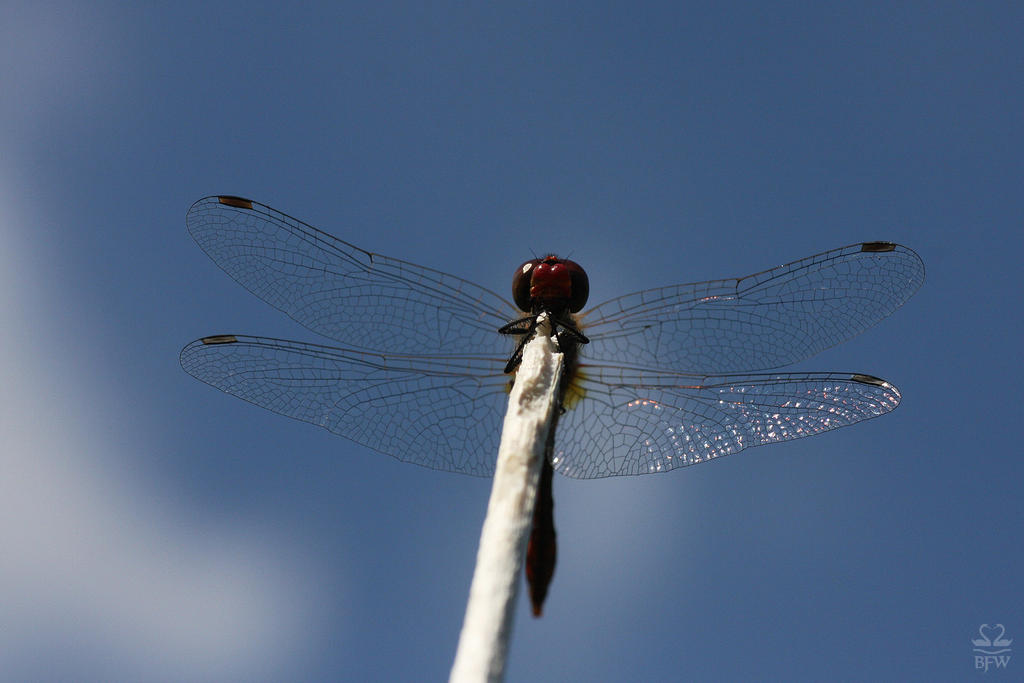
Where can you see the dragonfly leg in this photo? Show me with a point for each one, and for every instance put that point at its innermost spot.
(570, 329)
(519, 326)
(523, 327)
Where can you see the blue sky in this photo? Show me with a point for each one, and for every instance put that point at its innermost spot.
(154, 528)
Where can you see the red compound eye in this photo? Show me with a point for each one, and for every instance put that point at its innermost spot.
(521, 284)
(550, 282)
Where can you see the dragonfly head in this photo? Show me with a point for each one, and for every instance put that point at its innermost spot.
(550, 283)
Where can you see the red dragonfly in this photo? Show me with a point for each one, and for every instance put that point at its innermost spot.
(654, 380)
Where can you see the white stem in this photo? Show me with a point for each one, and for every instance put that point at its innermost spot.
(483, 644)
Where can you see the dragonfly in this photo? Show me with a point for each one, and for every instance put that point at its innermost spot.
(655, 380)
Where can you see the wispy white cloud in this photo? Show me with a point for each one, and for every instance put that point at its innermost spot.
(102, 573)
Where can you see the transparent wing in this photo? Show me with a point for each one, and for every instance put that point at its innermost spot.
(445, 412)
(622, 422)
(439, 412)
(342, 292)
(759, 322)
